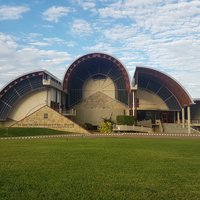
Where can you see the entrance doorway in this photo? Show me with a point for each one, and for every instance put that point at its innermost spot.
(165, 117)
(168, 117)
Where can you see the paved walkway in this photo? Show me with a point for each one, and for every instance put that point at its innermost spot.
(98, 135)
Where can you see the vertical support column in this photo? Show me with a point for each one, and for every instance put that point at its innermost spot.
(135, 96)
(131, 103)
(135, 103)
(178, 117)
(189, 119)
(183, 118)
(48, 101)
(174, 117)
(62, 101)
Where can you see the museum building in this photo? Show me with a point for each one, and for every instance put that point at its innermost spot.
(97, 86)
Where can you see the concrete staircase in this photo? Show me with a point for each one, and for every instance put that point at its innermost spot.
(175, 128)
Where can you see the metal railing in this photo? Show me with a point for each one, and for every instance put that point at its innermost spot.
(195, 121)
(68, 112)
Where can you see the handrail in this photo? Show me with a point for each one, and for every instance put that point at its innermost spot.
(68, 112)
(195, 121)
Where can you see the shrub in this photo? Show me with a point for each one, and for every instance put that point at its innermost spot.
(125, 120)
(105, 127)
(88, 126)
(108, 119)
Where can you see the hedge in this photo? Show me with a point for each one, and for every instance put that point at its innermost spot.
(125, 120)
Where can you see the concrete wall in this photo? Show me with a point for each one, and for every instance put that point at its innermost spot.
(105, 86)
(98, 102)
(150, 101)
(33, 102)
(98, 106)
(28, 105)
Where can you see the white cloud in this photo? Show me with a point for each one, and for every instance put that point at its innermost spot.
(181, 54)
(86, 4)
(12, 12)
(81, 27)
(55, 41)
(189, 79)
(16, 59)
(101, 47)
(34, 35)
(155, 15)
(38, 40)
(114, 10)
(7, 44)
(71, 43)
(39, 44)
(53, 14)
(120, 33)
(170, 17)
(58, 41)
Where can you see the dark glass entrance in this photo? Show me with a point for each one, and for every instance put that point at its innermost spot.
(164, 116)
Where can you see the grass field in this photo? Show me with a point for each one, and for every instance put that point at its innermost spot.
(109, 168)
(16, 132)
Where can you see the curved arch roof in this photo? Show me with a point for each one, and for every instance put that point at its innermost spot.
(18, 88)
(163, 85)
(91, 65)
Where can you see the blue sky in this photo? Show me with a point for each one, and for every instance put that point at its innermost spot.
(51, 34)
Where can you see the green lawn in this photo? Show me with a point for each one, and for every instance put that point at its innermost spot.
(101, 168)
(16, 132)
